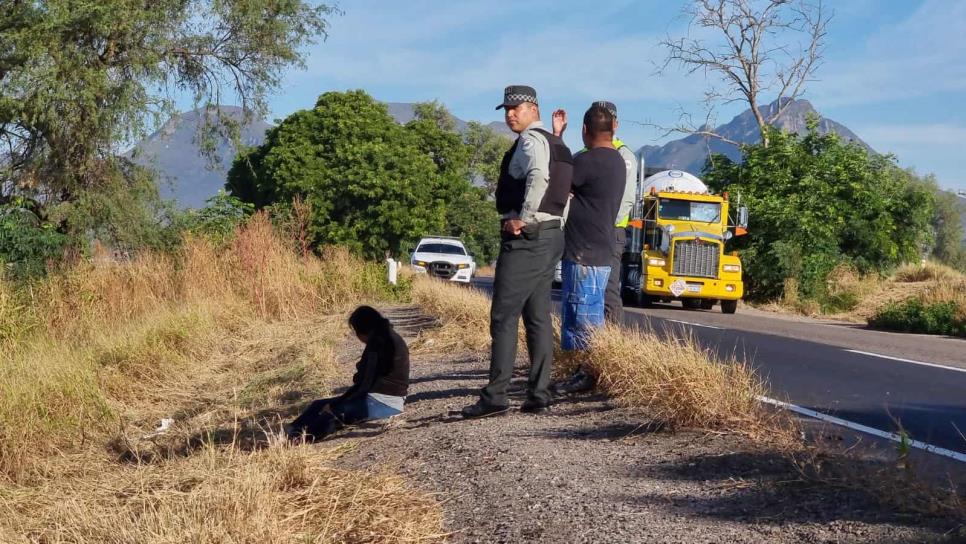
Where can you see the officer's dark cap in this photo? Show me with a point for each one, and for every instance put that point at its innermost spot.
(609, 106)
(514, 95)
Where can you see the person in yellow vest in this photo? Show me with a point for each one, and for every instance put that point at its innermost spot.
(613, 307)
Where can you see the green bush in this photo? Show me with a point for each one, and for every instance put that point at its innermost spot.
(26, 243)
(818, 202)
(915, 316)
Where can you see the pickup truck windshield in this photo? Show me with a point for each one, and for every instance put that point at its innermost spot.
(705, 212)
(448, 249)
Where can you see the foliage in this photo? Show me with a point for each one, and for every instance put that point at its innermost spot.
(816, 203)
(914, 315)
(79, 79)
(27, 244)
(947, 222)
(486, 152)
(81, 76)
(219, 219)
(371, 184)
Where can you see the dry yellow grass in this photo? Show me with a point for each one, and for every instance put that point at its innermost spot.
(228, 341)
(673, 381)
(279, 494)
(463, 312)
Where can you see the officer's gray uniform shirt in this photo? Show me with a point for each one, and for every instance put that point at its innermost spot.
(531, 161)
(630, 186)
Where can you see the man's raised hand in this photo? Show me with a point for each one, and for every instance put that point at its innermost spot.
(559, 122)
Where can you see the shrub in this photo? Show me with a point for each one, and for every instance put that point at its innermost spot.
(915, 315)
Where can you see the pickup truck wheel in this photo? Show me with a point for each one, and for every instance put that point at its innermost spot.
(729, 306)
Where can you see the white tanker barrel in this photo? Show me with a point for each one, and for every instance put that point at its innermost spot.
(673, 180)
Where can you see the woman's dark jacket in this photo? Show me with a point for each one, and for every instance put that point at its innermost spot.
(383, 367)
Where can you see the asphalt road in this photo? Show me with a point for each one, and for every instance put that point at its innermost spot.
(877, 379)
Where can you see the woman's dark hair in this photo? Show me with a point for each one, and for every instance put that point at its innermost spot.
(367, 320)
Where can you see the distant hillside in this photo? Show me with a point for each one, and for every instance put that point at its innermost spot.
(691, 152)
(185, 175)
(403, 112)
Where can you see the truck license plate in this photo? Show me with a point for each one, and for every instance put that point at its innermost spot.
(694, 288)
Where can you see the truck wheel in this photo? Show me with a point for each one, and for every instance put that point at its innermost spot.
(707, 303)
(691, 303)
(729, 306)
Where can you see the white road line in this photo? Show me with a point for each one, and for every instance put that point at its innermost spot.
(906, 360)
(694, 324)
(866, 429)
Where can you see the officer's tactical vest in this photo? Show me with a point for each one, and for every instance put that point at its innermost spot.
(510, 191)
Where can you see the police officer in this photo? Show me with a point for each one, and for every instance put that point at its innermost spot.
(531, 196)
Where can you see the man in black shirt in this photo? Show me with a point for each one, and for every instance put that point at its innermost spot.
(597, 188)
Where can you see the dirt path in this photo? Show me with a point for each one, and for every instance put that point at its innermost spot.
(590, 472)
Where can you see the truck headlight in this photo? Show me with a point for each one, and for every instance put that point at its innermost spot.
(655, 261)
(730, 288)
(732, 268)
(419, 263)
(462, 266)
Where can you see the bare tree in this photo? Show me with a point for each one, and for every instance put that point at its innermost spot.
(768, 46)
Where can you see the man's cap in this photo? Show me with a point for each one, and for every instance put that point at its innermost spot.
(609, 106)
(514, 95)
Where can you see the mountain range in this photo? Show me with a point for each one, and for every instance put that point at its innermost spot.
(691, 152)
(186, 176)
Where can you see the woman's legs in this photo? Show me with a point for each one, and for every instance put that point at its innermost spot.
(317, 422)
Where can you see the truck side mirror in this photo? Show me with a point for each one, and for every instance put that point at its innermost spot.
(743, 217)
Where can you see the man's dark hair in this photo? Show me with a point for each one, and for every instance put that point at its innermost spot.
(598, 120)
(367, 320)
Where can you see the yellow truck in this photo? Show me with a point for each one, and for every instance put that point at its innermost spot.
(676, 245)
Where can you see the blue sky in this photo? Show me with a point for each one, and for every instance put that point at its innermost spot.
(895, 70)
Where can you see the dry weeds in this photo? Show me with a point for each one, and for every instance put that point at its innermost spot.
(672, 381)
(228, 342)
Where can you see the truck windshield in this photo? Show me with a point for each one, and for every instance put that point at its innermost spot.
(685, 210)
(448, 249)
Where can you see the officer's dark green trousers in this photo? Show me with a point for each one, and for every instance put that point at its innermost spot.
(524, 273)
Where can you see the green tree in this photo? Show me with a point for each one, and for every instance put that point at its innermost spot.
(817, 202)
(947, 223)
(370, 183)
(80, 78)
(486, 153)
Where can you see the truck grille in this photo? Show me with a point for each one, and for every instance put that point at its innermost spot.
(695, 258)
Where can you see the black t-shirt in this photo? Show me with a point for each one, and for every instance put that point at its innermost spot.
(598, 186)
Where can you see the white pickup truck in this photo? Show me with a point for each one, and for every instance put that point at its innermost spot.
(443, 257)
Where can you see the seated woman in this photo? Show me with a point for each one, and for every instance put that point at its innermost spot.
(379, 385)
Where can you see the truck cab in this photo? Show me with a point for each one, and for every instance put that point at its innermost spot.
(676, 248)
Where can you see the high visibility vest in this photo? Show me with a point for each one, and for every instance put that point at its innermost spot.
(626, 219)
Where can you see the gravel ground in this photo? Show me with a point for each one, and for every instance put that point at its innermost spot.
(590, 471)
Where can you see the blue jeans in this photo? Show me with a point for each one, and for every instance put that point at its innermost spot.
(378, 410)
(583, 303)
